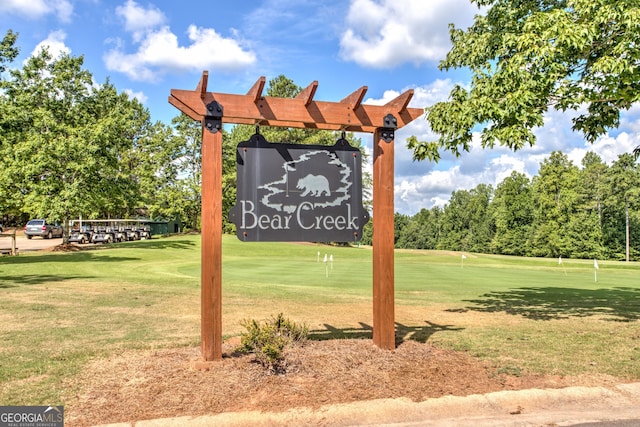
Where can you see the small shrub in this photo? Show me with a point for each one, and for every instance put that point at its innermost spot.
(267, 340)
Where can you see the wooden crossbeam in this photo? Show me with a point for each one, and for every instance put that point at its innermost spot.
(202, 84)
(308, 93)
(300, 112)
(355, 99)
(255, 92)
(401, 102)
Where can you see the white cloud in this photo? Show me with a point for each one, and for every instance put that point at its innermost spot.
(54, 44)
(159, 50)
(422, 97)
(138, 20)
(34, 9)
(140, 96)
(630, 120)
(558, 135)
(420, 186)
(385, 33)
(413, 193)
(610, 147)
(424, 184)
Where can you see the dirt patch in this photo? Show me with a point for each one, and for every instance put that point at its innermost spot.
(139, 385)
(64, 247)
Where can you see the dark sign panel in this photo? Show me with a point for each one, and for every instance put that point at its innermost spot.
(294, 192)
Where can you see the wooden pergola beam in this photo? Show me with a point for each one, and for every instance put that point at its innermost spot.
(255, 92)
(400, 103)
(300, 112)
(355, 99)
(308, 93)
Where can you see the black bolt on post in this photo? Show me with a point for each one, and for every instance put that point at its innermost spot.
(213, 119)
(389, 127)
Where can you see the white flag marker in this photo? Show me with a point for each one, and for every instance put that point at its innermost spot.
(326, 266)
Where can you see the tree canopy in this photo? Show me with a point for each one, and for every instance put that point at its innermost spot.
(527, 56)
(69, 147)
(8, 50)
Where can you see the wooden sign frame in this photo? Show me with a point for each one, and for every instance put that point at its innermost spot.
(349, 115)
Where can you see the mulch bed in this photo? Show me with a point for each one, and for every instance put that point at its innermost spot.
(138, 385)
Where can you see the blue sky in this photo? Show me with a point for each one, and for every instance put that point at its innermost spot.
(147, 48)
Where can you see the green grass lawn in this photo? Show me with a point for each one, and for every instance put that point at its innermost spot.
(58, 311)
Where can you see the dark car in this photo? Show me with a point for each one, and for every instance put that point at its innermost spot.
(40, 227)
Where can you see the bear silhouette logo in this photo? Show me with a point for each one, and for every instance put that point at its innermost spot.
(316, 185)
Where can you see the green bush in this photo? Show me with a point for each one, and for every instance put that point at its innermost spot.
(267, 340)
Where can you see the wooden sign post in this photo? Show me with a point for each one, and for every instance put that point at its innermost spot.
(383, 243)
(349, 115)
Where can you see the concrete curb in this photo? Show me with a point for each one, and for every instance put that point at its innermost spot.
(557, 407)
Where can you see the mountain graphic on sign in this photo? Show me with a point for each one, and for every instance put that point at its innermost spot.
(309, 178)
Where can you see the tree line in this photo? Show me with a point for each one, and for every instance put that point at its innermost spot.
(591, 211)
(74, 148)
(71, 147)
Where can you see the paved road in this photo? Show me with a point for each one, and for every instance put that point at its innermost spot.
(34, 244)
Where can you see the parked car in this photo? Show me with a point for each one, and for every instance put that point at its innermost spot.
(40, 227)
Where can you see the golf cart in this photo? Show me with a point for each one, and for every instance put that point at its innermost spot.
(81, 235)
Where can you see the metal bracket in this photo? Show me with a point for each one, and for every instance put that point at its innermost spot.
(389, 128)
(213, 119)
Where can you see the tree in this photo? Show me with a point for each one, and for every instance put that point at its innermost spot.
(465, 222)
(9, 124)
(584, 230)
(159, 175)
(554, 199)
(528, 56)
(422, 231)
(63, 140)
(512, 214)
(592, 183)
(455, 222)
(8, 50)
(400, 223)
(583, 236)
(186, 171)
(624, 180)
(119, 128)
